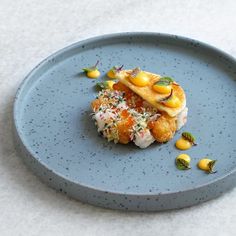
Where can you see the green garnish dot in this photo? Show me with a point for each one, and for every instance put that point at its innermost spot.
(102, 85)
(182, 164)
(188, 136)
(164, 81)
(114, 68)
(168, 79)
(211, 165)
(92, 68)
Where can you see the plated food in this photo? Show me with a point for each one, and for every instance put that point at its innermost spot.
(141, 107)
(58, 140)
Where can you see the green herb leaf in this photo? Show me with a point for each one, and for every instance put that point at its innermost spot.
(113, 69)
(182, 164)
(188, 136)
(89, 69)
(92, 68)
(102, 85)
(167, 79)
(162, 83)
(211, 165)
(116, 69)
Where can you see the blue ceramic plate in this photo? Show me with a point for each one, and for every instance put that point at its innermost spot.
(59, 141)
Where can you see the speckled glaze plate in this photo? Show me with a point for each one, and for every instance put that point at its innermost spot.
(59, 141)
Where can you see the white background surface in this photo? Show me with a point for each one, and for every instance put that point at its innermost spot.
(31, 30)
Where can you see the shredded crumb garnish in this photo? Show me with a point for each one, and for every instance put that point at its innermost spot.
(114, 103)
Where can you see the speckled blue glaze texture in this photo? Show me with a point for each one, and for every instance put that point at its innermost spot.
(59, 141)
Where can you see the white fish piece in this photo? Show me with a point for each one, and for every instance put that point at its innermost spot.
(181, 118)
(143, 138)
(103, 118)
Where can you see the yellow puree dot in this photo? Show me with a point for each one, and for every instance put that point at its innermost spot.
(110, 84)
(184, 157)
(163, 89)
(203, 164)
(93, 74)
(140, 80)
(173, 102)
(111, 74)
(183, 144)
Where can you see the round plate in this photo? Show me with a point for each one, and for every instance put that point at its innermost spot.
(59, 140)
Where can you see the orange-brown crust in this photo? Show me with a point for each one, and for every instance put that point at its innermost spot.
(95, 104)
(124, 127)
(163, 129)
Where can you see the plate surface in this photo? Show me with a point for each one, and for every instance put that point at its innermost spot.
(59, 141)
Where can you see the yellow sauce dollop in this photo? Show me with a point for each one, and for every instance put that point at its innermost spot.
(93, 74)
(163, 89)
(111, 74)
(110, 84)
(140, 80)
(184, 157)
(172, 102)
(183, 144)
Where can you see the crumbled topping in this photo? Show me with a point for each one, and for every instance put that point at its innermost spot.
(110, 111)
